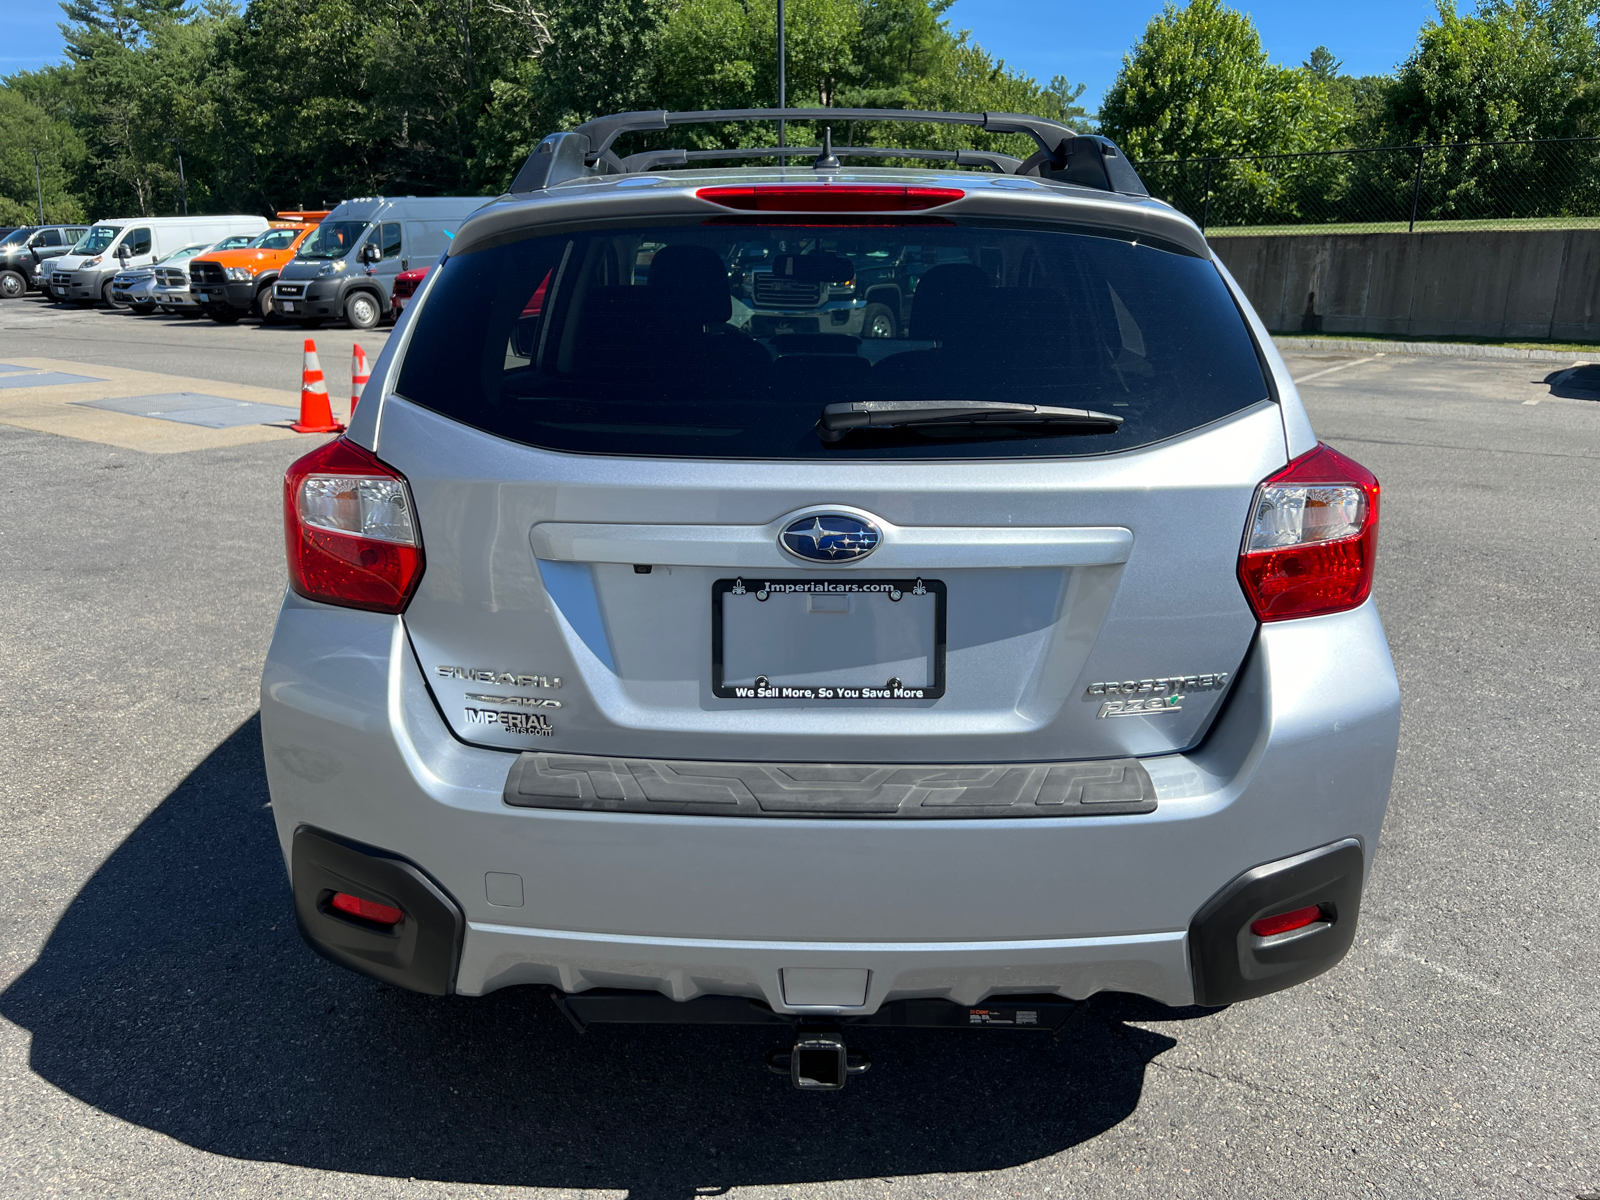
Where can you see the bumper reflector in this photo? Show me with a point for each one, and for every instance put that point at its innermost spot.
(367, 910)
(1284, 922)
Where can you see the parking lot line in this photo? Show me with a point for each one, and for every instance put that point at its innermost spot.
(1340, 367)
(66, 403)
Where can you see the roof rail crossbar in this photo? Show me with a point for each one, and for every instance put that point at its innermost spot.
(1063, 155)
(602, 131)
(651, 160)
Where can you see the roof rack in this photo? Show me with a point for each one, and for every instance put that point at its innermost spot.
(653, 160)
(1063, 155)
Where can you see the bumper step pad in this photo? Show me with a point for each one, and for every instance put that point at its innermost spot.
(1112, 787)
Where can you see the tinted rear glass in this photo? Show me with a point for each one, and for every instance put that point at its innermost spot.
(725, 340)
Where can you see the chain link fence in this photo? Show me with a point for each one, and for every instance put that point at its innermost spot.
(1552, 183)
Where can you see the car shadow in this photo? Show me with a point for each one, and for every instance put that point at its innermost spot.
(175, 993)
(1576, 383)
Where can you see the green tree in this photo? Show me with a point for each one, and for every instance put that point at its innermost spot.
(26, 129)
(1199, 83)
(1513, 69)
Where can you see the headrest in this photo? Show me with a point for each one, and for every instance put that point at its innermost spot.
(691, 285)
(946, 301)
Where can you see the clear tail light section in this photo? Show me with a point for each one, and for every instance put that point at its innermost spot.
(1312, 539)
(351, 530)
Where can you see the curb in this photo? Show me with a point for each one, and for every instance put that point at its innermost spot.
(1429, 349)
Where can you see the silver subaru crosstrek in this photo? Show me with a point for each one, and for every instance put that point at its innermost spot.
(694, 668)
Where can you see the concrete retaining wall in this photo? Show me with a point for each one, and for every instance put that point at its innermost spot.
(1494, 284)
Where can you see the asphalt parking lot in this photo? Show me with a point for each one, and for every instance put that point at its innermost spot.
(166, 1033)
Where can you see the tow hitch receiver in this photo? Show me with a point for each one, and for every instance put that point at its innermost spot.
(819, 1059)
(818, 1062)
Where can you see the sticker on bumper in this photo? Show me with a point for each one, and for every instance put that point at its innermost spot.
(513, 722)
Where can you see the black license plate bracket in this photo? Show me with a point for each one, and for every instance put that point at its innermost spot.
(898, 631)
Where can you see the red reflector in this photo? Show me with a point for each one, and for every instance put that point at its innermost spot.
(367, 910)
(1313, 538)
(349, 529)
(831, 198)
(1284, 922)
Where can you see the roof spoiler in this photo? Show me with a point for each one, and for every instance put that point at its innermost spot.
(1063, 155)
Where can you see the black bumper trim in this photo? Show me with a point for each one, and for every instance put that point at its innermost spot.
(420, 953)
(1113, 787)
(1046, 1013)
(1229, 963)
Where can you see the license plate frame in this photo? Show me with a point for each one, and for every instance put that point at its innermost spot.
(851, 694)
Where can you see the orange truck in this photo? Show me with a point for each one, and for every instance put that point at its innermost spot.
(228, 284)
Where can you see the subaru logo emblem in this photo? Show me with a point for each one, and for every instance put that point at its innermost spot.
(830, 537)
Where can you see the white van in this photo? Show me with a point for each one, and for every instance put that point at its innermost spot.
(84, 275)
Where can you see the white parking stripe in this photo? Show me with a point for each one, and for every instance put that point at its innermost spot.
(1340, 367)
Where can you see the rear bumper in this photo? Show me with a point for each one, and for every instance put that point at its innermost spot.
(1301, 758)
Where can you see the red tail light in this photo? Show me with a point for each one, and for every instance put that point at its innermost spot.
(367, 910)
(1284, 922)
(351, 530)
(1312, 539)
(831, 198)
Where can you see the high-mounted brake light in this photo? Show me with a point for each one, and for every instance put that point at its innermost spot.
(367, 910)
(1312, 539)
(831, 198)
(351, 533)
(1285, 922)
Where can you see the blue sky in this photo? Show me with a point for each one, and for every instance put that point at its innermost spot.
(1084, 41)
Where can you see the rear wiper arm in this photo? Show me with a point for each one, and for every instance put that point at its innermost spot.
(839, 419)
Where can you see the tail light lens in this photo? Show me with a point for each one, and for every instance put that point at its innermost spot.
(1313, 538)
(351, 530)
(831, 198)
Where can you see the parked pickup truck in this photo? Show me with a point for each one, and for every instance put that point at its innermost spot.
(230, 283)
(22, 251)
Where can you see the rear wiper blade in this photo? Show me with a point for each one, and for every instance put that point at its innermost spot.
(839, 419)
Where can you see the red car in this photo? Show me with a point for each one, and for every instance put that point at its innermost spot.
(405, 286)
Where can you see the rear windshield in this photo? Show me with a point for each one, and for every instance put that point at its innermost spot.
(726, 340)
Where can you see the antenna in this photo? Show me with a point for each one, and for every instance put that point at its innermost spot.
(827, 160)
(783, 101)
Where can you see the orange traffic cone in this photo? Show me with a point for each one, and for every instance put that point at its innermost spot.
(316, 415)
(358, 376)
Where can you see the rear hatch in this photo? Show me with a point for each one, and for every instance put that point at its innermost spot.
(646, 537)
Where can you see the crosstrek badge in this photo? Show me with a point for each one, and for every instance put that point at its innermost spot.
(1175, 685)
(1151, 697)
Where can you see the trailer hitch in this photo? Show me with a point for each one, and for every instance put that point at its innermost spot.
(819, 1061)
